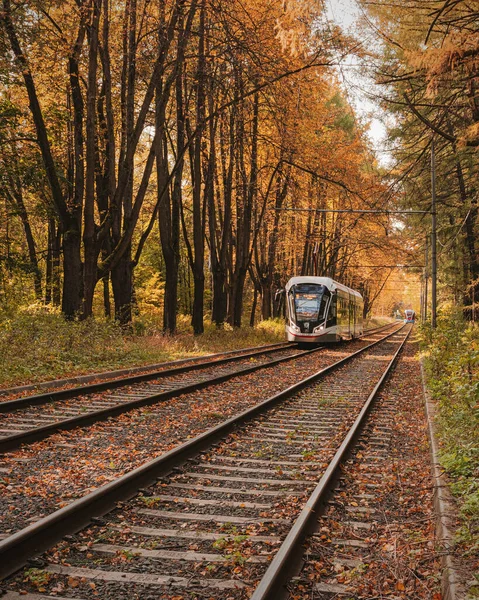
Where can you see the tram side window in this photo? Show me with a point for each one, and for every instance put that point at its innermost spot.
(334, 306)
(332, 312)
(322, 310)
(342, 311)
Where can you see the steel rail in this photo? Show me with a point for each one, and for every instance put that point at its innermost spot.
(113, 375)
(289, 556)
(18, 548)
(47, 397)
(13, 441)
(39, 433)
(379, 327)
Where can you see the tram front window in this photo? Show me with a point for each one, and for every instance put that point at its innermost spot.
(310, 304)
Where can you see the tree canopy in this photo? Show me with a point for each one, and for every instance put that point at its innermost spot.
(426, 70)
(189, 154)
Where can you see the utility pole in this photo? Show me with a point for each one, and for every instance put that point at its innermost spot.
(426, 277)
(433, 240)
(421, 300)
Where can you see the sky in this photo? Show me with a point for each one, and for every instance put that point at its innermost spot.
(346, 14)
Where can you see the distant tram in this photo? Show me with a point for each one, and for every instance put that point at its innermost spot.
(319, 309)
(410, 316)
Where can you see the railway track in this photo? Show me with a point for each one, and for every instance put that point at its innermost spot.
(77, 381)
(40, 478)
(110, 376)
(375, 536)
(219, 514)
(32, 418)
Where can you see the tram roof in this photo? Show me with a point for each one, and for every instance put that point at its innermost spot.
(326, 281)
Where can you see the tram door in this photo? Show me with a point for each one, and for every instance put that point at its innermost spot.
(351, 315)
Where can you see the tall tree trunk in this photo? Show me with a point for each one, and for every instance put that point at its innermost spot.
(122, 284)
(267, 272)
(266, 299)
(198, 206)
(472, 264)
(15, 195)
(168, 222)
(243, 255)
(253, 307)
(278, 300)
(122, 272)
(72, 270)
(56, 262)
(49, 262)
(32, 254)
(90, 246)
(106, 295)
(72, 266)
(218, 282)
(221, 232)
(169, 203)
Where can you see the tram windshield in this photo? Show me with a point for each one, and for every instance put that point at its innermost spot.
(310, 302)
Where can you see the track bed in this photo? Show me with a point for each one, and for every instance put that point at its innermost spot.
(211, 527)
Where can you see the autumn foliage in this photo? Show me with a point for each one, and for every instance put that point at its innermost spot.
(426, 62)
(152, 153)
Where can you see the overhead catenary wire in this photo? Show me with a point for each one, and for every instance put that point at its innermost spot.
(355, 211)
(389, 266)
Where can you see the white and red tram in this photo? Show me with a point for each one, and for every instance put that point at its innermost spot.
(319, 309)
(409, 316)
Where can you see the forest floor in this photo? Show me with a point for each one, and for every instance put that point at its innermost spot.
(42, 346)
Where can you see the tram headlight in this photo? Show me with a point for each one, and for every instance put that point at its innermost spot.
(320, 328)
(294, 327)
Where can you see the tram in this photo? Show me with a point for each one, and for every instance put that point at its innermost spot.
(319, 309)
(409, 316)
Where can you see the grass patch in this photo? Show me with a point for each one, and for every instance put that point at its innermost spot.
(372, 322)
(452, 367)
(37, 344)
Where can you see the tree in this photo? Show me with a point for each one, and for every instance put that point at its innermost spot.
(428, 70)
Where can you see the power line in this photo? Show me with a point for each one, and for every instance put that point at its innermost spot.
(388, 267)
(351, 210)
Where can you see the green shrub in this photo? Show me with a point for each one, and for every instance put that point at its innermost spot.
(452, 365)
